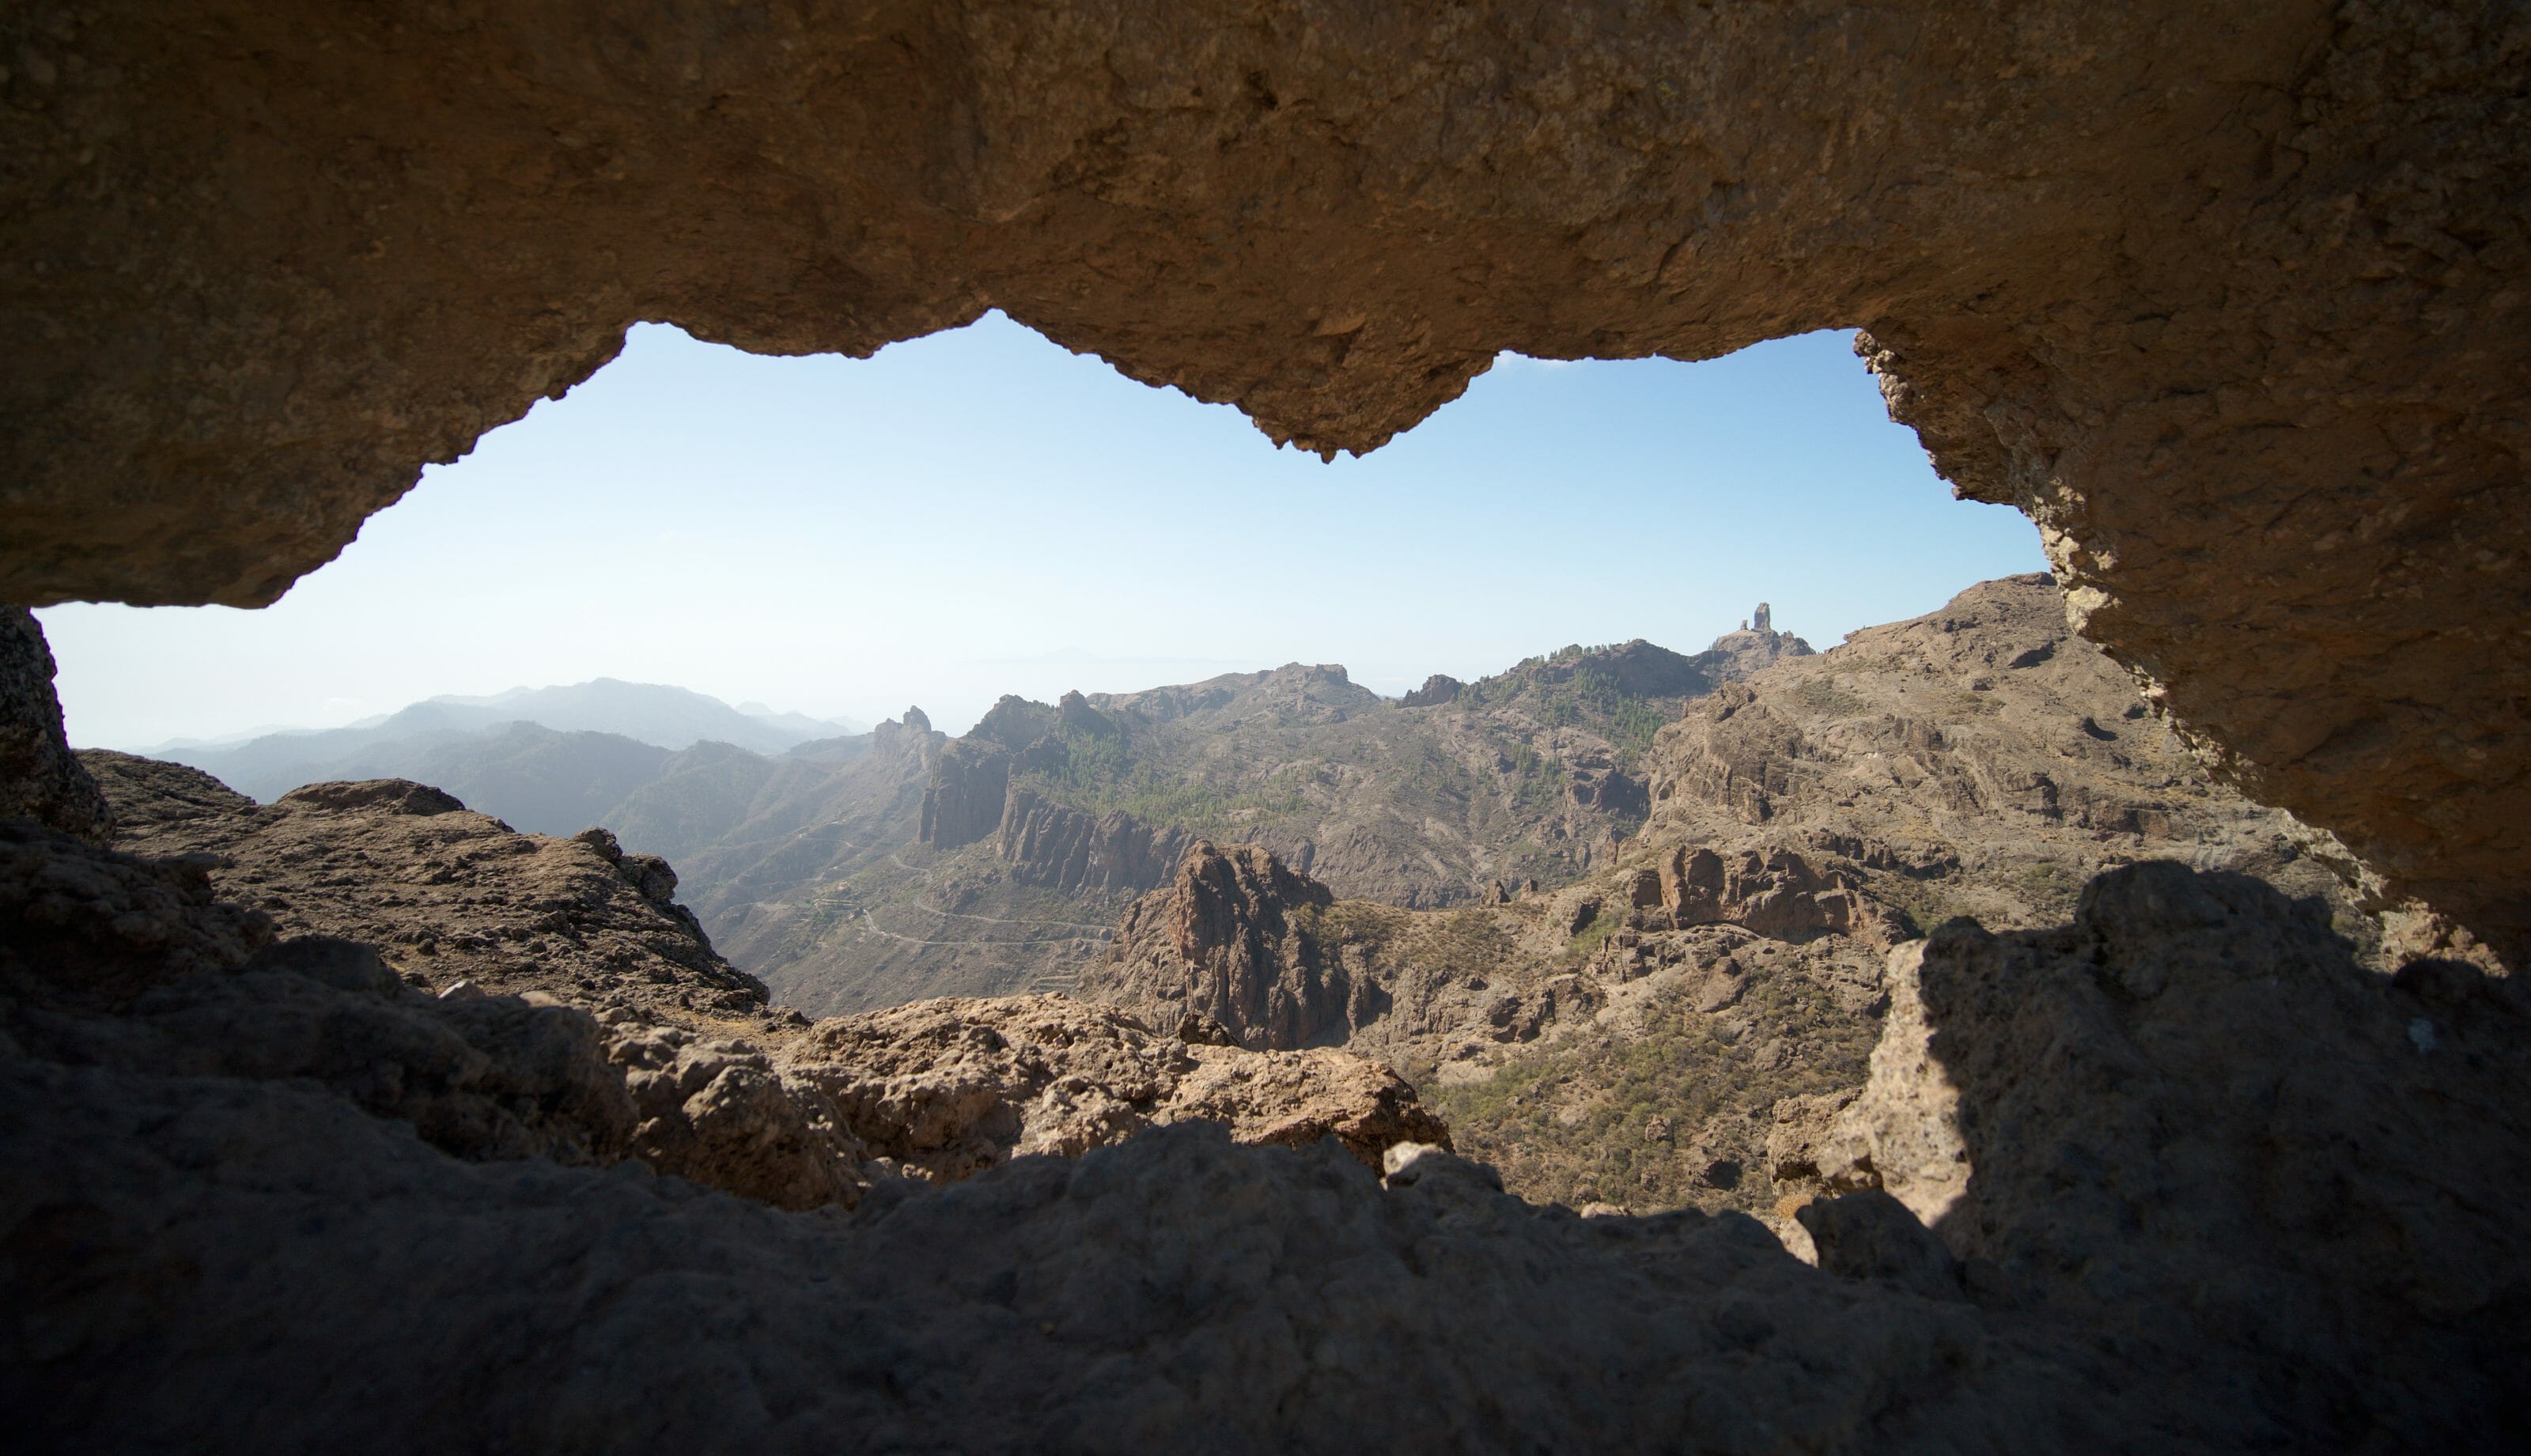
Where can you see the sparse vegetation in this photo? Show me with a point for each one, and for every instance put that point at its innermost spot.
(1537, 780)
(1928, 903)
(1824, 696)
(1589, 937)
(1096, 773)
(1629, 721)
(1677, 1116)
(2051, 889)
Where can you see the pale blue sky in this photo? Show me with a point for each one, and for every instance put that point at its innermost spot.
(982, 512)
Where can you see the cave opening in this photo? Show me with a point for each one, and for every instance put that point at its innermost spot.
(980, 512)
(320, 1111)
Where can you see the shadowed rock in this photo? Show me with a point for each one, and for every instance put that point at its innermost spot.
(40, 778)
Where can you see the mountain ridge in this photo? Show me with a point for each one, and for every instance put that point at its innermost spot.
(654, 714)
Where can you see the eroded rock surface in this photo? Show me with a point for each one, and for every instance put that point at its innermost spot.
(952, 1086)
(265, 1192)
(1223, 944)
(1980, 760)
(2083, 1119)
(39, 779)
(450, 895)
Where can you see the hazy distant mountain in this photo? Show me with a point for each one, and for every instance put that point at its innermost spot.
(645, 712)
(804, 725)
(437, 741)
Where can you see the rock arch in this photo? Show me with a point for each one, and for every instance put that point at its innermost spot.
(2230, 300)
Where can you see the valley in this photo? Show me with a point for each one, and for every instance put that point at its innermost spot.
(1618, 912)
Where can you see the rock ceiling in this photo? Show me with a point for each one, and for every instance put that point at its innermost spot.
(2230, 300)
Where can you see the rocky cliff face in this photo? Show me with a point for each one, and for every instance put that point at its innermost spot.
(38, 777)
(454, 896)
(952, 1087)
(962, 801)
(2094, 298)
(1781, 894)
(1225, 945)
(1437, 689)
(2120, 1117)
(1979, 760)
(1066, 849)
(1736, 655)
(818, 868)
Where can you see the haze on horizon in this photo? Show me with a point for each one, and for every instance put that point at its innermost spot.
(982, 512)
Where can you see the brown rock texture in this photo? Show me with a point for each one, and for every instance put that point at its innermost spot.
(953, 1086)
(1980, 760)
(962, 801)
(247, 1174)
(1779, 894)
(1638, 1039)
(450, 895)
(2078, 1116)
(2227, 299)
(1437, 689)
(1069, 849)
(1224, 943)
(39, 779)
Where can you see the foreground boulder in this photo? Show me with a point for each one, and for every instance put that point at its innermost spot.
(952, 1086)
(451, 896)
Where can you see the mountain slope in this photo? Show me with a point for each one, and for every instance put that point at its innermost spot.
(1640, 1035)
(1038, 826)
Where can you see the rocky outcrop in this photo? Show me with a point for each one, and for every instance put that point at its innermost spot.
(683, 1066)
(1984, 752)
(952, 1086)
(1437, 689)
(1731, 752)
(448, 894)
(2124, 1117)
(962, 801)
(132, 964)
(1225, 943)
(39, 779)
(912, 734)
(119, 962)
(1757, 645)
(1606, 787)
(1779, 893)
(1063, 848)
